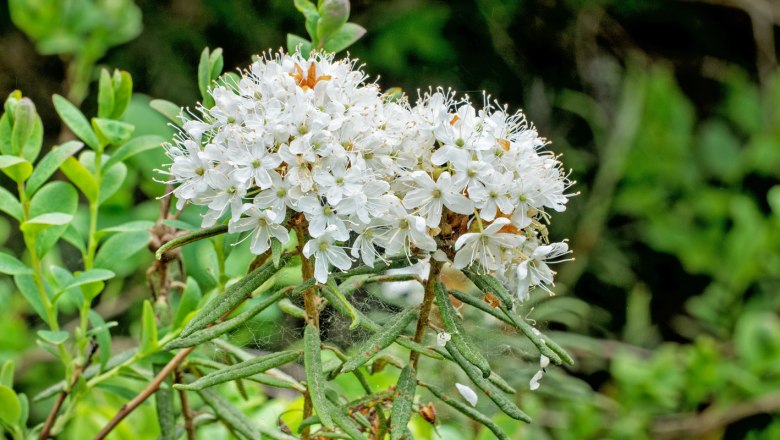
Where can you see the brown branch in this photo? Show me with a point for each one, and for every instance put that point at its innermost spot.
(695, 426)
(425, 310)
(52, 417)
(148, 391)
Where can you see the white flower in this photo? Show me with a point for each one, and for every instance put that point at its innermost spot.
(485, 247)
(467, 393)
(325, 251)
(278, 197)
(431, 197)
(264, 224)
(534, 270)
(403, 231)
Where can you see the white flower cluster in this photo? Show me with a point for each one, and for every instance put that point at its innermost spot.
(309, 142)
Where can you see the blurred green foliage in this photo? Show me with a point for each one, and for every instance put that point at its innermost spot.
(661, 111)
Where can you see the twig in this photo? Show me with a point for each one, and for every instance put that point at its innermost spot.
(148, 391)
(52, 417)
(711, 419)
(189, 428)
(425, 310)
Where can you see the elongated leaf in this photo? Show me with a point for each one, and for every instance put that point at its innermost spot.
(347, 35)
(9, 265)
(105, 95)
(166, 416)
(10, 204)
(122, 83)
(90, 276)
(458, 334)
(209, 333)
(49, 164)
(315, 381)
(24, 123)
(346, 305)
(347, 424)
(229, 414)
(76, 121)
(7, 373)
(243, 370)
(120, 246)
(58, 197)
(469, 412)
(148, 329)
(131, 226)
(111, 132)
(10, 407)
(134, 146)
(233, 296)
(29, 290)
(44, 221)
(380, 340)
(191, 238)
(188, 303)
(506, 405)
(488, 284)
(52, 337)
(204, 79)
(168, 109)
(112, 181)
(16, 168)
(81, 177)
(298, 43)
(103, 335)
(403, 401)
(541, 342)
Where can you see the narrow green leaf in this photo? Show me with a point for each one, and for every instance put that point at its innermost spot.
(190, 298)
(111, 132)
(32, 147)
(243, 370)
(236, 420)
(9, 265)
(506, 405)
(468, 411)
(166, 415)
(149, 329)
(347, 424)
(276, 251)
(286, 306)
(310, 13)
(90, 276)
(49, 164)
(81, 177)
(44, 221)
(118, 247)
(458, 335)
(103, 335)
(169, 110)
(7, 374)
(315, 382)
(56, 196)
(216, 63)
(76, 121)
(403, 400)
(10, 204)
(52, 337)
(10, 407)
(344, 37)
(333, 15)
(123, 90)
(24, 121)
(72, 236)
(346, 305)
(204, 78)
(233, 296)
(380, 340)
(191, 238)
(28, 288)
(131, 226)
(542, 343)
(16, 168)
(135, 146)
(112, 181)
(105, 95)
(488, 284)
